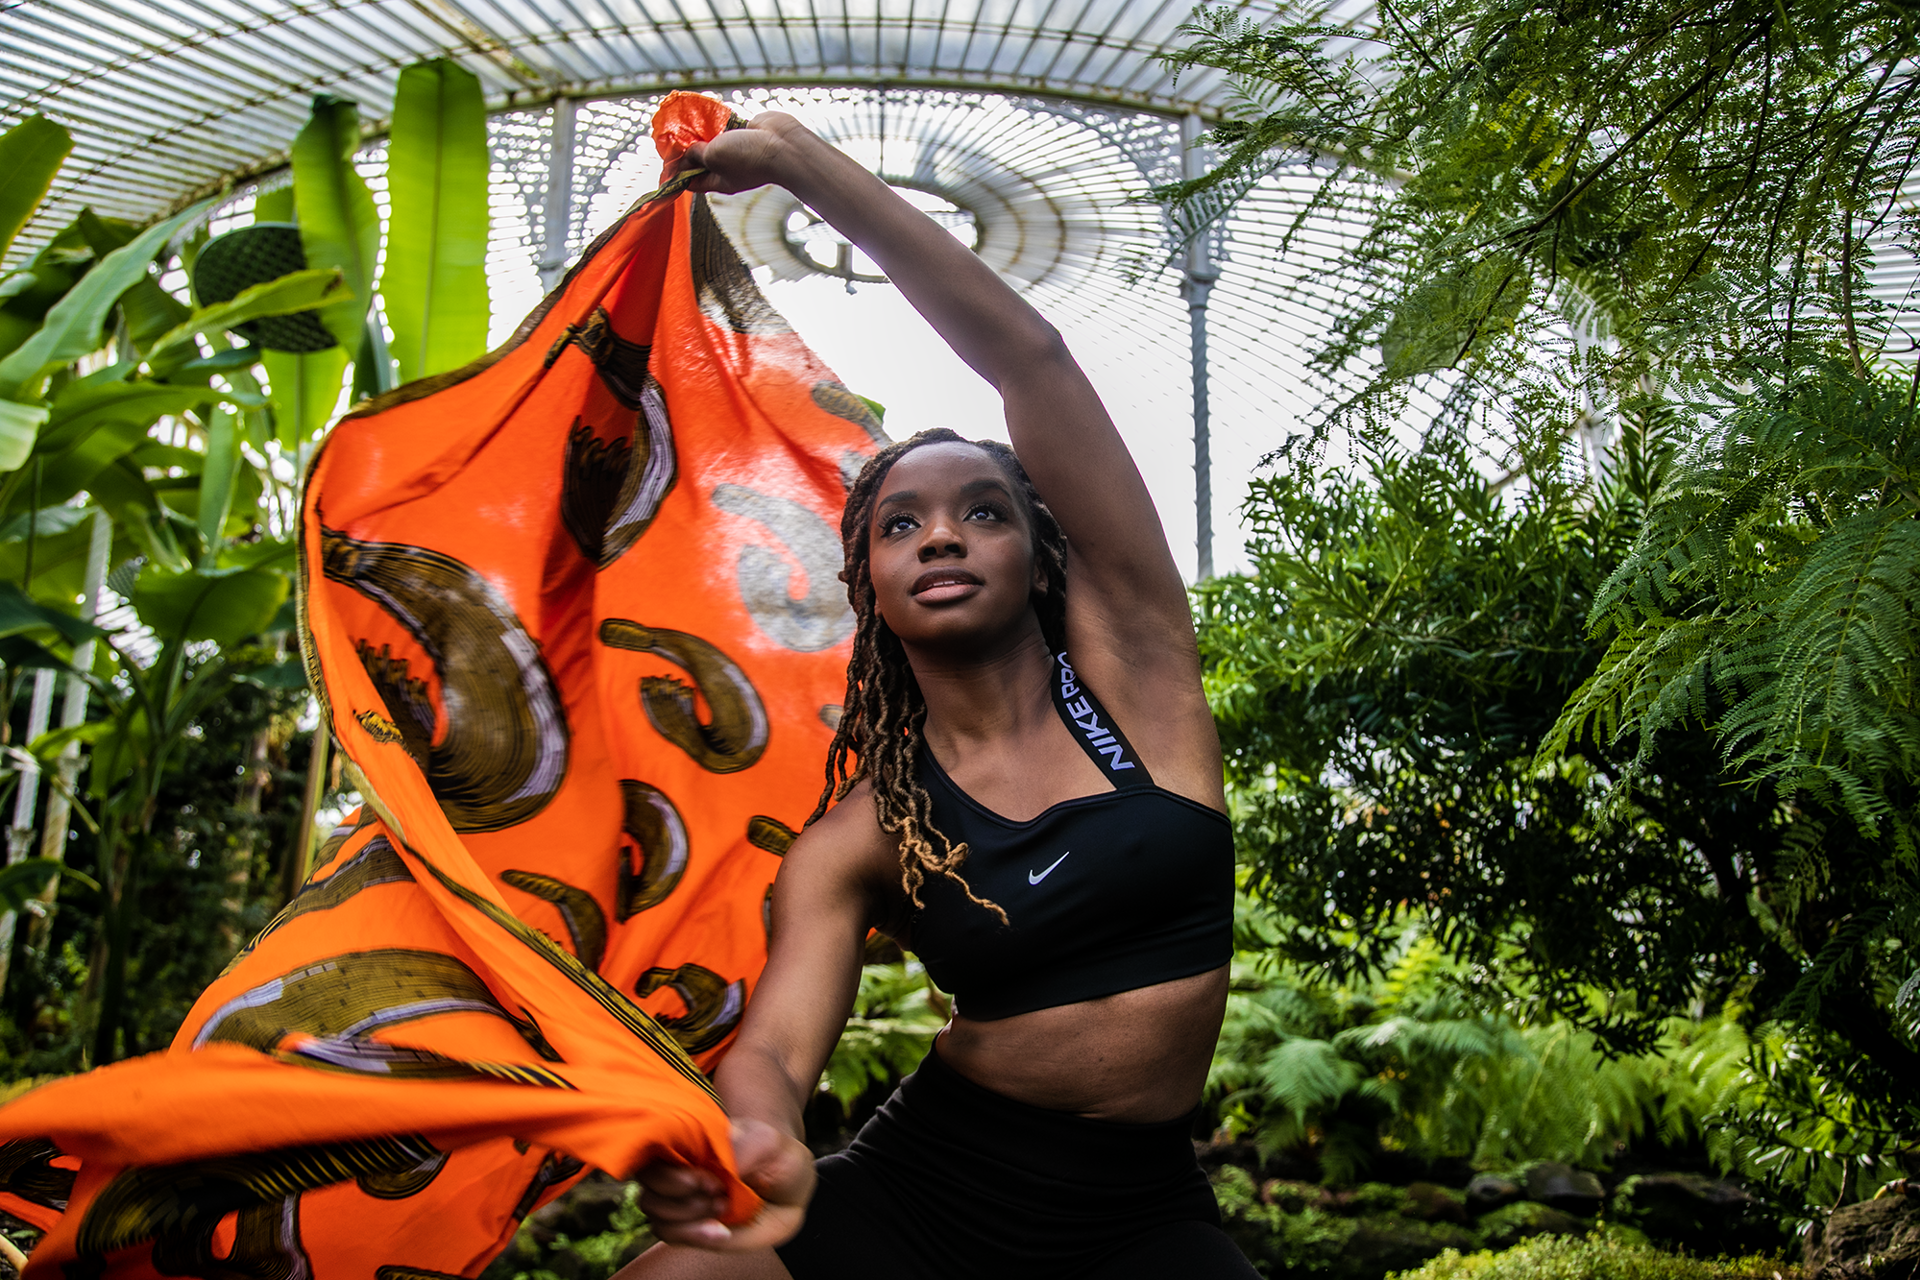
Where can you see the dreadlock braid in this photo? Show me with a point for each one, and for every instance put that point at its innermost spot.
(884, 715)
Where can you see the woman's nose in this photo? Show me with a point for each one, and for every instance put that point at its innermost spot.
(940, 540)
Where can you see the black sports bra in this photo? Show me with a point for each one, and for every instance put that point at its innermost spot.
(1103, 893)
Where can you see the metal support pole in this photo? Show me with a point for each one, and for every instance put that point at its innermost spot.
(1201, 271)
(73, 712)
(559, 220)
(25, 800)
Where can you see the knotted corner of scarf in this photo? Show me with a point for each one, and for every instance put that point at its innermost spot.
(685, 119)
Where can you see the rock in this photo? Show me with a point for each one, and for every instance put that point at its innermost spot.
(1291, 1197)
(1387, 1242)
(1509, 1225)
(1213, 1155)
(1431, 1202)
(1370, 1197)
(1489, 1191)
(1875, 1238)
(1563, 1187)
(1684, 1208)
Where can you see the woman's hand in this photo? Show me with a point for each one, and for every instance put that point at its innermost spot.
(742, 159)
(684, 1205)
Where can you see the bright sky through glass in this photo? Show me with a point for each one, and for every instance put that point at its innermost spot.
(882, 349)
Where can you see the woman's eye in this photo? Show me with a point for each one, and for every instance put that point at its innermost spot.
(897, 524)
(985, 511)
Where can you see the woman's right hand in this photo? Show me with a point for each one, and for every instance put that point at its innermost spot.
(685, 1205)
(742, 159)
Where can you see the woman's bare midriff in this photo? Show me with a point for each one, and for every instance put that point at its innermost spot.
(1138, 1057)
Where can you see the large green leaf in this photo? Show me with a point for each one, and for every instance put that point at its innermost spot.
(19, 427)
(24, 879)
(305, 388)
(93, 424)
(20, 613)
(119, 746)
(222, 605)
(434, 283)
(30, 155)
(72, 326)
(44, 523)
(216, 483)
(339, 226)
(59, 565)
(296, 291)
(265, 553)
(81, 407)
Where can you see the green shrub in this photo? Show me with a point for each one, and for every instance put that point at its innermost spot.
(895, 1017)
(1595, 1257)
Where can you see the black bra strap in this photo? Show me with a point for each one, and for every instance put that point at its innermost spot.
(1095, 730)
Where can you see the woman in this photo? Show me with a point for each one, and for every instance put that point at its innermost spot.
(1070, 883)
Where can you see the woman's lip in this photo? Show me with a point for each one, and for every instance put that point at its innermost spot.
(944, 586)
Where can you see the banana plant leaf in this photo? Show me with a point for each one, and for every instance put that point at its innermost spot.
(119, 745)
(31, 153)
(94, 425)
(20, 612)
(300, 291)
(21, 654)
(44, 523)
(19, 427)
(339, 226)
(222, 605)
(434, 283)
(26, 878)
(305, 388)
(216, 484)
(72, 326)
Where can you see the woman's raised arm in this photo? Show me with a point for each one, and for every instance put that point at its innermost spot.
(1068, 444)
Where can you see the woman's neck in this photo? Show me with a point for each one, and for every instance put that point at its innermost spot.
(985, 697)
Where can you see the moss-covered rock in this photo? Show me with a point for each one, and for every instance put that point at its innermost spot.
(1431, 1202)
(1381, 1243)
(1598, 1257)
(1292, 1229)
(1707, 1215)
(1489, 1191)
(1878, 1238)
(1524, 1219)
(1563, 1187)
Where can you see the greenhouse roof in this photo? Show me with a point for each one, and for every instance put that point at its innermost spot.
(170, 97)
(1040, 122)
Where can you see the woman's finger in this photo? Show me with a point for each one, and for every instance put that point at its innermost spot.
(672, 1179)
(680, 1209)
(774, 1224)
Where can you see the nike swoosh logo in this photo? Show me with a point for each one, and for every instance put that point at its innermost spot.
(1033, 878)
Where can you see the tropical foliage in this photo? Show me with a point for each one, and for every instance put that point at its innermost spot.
(149, 446)
(1631, 740)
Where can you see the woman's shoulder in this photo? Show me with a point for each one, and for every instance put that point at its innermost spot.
(1154, 693)
(845, 845)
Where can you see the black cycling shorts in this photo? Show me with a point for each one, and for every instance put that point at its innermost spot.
(950, 1179)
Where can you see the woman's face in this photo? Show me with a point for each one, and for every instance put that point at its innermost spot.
(951, 548)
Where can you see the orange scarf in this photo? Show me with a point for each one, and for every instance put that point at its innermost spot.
(571, 613)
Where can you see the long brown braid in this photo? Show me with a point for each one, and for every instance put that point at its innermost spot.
(884, 715)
